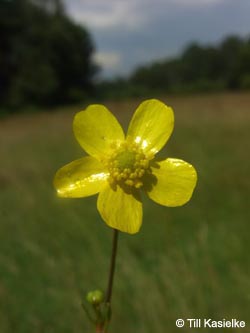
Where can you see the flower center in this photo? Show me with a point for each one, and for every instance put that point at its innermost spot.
(127, 165)
(125, 159)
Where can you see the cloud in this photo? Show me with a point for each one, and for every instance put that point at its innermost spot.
(106, 15)
(128, 33)
(129, 15)
(109, 60)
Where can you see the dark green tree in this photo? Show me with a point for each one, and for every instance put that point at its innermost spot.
(230, 50)
(199, 68)
(244, 66)
(45, 58)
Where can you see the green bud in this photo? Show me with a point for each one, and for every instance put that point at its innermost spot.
(95, 297)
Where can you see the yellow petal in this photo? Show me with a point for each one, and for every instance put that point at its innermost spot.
(172, 183)
(95, 129)
(80, 178)
(151, 125)
(120, 210)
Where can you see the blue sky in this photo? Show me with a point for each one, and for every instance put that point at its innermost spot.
(133, 32)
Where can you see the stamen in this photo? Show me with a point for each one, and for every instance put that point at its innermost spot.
(127, 164)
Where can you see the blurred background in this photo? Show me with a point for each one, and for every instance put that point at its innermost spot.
(56, 57)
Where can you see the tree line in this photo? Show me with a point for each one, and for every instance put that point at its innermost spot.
(225, 66)
(45, 58)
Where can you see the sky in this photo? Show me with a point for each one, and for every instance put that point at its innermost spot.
(129, 33)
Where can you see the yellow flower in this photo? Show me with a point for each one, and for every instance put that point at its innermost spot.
(119, 167)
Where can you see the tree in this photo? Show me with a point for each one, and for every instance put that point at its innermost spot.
(230, 50)
(199, 68)
(45, 58)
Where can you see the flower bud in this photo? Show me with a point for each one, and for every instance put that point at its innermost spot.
(95, 297)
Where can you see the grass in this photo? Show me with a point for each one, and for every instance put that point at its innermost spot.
(188, 262)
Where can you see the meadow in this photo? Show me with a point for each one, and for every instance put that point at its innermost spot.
(187, 262)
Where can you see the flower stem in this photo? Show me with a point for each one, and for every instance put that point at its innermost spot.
(112, 267)
(99, 328)
(103, 326)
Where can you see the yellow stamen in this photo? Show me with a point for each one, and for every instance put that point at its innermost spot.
(127, 164)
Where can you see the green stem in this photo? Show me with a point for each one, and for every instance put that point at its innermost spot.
(112, 267)
(103, 327)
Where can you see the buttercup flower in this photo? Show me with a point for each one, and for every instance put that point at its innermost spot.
(119, 167)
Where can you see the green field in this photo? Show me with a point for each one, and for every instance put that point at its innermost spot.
(188, 262)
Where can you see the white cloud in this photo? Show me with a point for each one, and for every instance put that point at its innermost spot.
(108, 60)
(129, 15)
(131, 32)
(106, 15)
